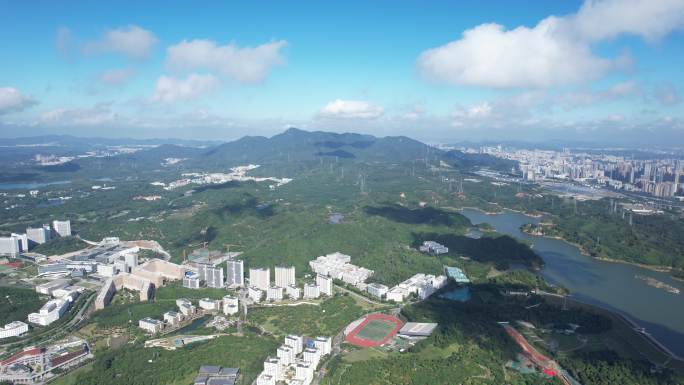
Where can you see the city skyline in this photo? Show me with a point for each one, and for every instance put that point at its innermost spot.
(437, 72)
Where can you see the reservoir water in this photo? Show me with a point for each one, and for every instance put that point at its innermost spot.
(611, 285)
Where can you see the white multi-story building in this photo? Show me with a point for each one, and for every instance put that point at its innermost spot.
(304, 372)
(173, 317)
(284, 276)
(23, 241)
(260, 278)
(191, 280)
(423, 285)
(48, 288)
(272, 367)
(293, 292)
(62, 228)
(235, 273)
(106, 270)
(311, 291)
(265, 379)
(324, 344)
(151, 325)
(212, 276)
(286, 355)
(295, 342)
(230, 305)
(313, 356)
(10, 246)
(186, 307)
(38, 235)
(325, 284)
(255, 294)
(274, 293)
(209, 304)
(337, 266)
(131, 260)
(52, 310)
(13, 329)
(396, 294)
(377, 289)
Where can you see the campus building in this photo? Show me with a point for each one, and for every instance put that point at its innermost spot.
(13, 329)
(235, 273)
(260, 278)
(325, 284)
(230, 305)
(62, 228)
(284, 276)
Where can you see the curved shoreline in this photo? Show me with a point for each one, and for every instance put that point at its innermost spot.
(658, 268)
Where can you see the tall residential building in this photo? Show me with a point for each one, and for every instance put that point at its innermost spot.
(284, 276)
(38, 235)
(23, 241)
(213, 276)
(10, 245)
(260, 278)
(235, 273)
(325, 284)
(62, 228)
(311, 291)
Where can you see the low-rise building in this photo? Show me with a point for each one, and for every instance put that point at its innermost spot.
(173, 318)
(293, 292)
(13, 329)
(432, 247)
(230, 305)
(255, 294)
(274, 293)
(52, 310)
(377, 290)
(151, 325)
(311, 291)
(209, 304)
(191, 280)
(48, 287)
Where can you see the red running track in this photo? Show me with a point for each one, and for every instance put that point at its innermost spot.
(354, 339)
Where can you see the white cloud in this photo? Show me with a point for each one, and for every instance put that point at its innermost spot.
(558, 50)
(117, 76)
(245, 64)
(131, 40)
(351, 109)
(667, 95)
(99, 114)
(170, 89)
(651, 20)
(12, 100)
(63, 40)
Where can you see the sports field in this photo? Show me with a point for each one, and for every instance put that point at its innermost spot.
(376, 330)
(373, 330)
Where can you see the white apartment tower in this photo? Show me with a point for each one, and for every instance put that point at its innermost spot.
(260, 278)
(325, 284)
(62, 228)
(284, 276)
(235, 273)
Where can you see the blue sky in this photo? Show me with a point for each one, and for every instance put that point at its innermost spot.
(533, 70)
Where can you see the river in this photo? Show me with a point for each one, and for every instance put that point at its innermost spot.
(611, 285)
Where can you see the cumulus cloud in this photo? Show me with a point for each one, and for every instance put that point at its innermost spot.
(171, 89)
(117, 76)
(351, 109)
(12, 100)
(98, 115)
(558, 50)
(131, 40)
(247, 65)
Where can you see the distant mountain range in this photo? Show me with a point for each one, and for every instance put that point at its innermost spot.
(292, 146)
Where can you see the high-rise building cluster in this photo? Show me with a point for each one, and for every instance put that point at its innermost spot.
(20, 243)
(661, 176)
